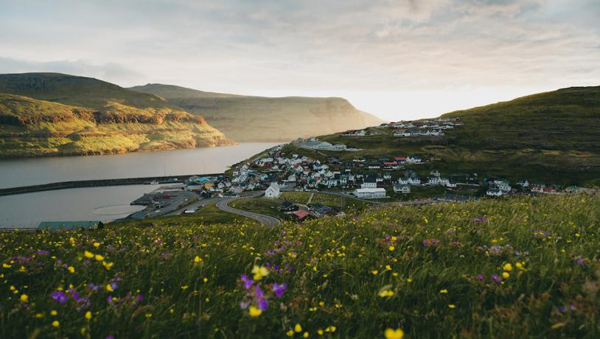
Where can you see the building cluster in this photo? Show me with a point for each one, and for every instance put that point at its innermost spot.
(209, 185)
(316, 144)
(502, 187)
(305, 173)
(431, 127)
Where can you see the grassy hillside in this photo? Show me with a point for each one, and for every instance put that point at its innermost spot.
(246, 118)
(77, 91)
(549, 137)
(526, 267)
(54, 114)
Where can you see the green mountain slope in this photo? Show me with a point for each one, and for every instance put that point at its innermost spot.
(54, 114)
(567, 119)
(549, 137)
(247, 118)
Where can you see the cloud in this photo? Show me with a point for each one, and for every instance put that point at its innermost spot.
(310, 46)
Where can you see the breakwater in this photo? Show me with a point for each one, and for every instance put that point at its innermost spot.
(102, 183)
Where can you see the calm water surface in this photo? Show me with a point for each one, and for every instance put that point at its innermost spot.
(102, 203)
(26, 172)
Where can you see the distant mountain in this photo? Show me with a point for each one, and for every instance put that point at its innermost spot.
(550, 137)
(57, 114)
(249, 118)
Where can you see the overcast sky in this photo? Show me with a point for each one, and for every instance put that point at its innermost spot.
(397, 59)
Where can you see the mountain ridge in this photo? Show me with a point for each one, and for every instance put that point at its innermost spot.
(255, 118)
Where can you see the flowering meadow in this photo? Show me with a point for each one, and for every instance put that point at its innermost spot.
(525, 267)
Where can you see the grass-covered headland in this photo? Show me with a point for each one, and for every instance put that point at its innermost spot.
(526, 267)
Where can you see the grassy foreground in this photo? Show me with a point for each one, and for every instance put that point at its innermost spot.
(499, 268)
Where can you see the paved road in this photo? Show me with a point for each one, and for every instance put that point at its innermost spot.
(195, 205)
(261, 218)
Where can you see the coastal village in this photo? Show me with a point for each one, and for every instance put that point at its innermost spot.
(401, 178)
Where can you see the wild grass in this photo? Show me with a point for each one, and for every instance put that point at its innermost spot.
(526, 267)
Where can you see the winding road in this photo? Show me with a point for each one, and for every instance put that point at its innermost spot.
(261, 218)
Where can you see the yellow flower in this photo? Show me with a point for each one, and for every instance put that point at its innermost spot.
(6, 266)
(507, 267)
(320, 332)
(254, 312)
(260, 272)
(55, 323)
(39, 315)
(393, 334)
(88, 255)
(24, 298)
(53, 312)
(444, 291)
(392, 248)
(290, 333)
(330, 329)
(96, 244)
(109, 288)
(298, 328)
(386, 293)
(185, 287)
(71, 269)
(107, 265)
(88, 315)
(305, 335)
(452, 306)
(197, 259)
(505, 275)
(99, 257)
(205, 279)
(375, 272)
(394, 238)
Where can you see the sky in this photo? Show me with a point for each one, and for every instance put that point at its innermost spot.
(397, 59)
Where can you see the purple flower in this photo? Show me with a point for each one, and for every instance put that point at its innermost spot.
(496, 278)
(43, 252)
(429, 242)
(93, 287)
(60, 297)
(258, 292)
(139, 298)
(279, 289)
(263, 304)
(247, 282)
(113, 285)
(581, 262)
(480, 277)
(76, 296)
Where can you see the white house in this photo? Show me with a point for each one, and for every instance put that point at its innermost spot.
(414, 181)
(494, 192)
(272, 191)
(370, 193)
(369, 183)
(399, 188)
(413, 160)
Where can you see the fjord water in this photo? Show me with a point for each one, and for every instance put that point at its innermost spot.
(102, 203)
